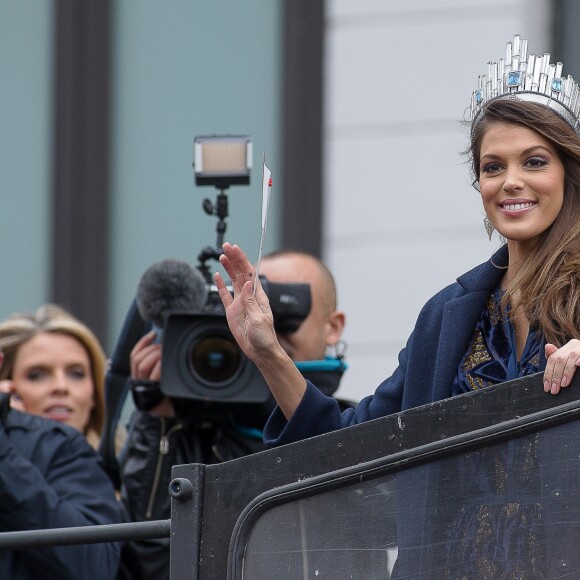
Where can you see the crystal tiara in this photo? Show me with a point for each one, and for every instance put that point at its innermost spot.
(530, 78)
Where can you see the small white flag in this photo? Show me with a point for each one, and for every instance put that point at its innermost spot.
(266, 188)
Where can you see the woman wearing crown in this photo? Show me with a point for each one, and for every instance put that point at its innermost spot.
(515, 315)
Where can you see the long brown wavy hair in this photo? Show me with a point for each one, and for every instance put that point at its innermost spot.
(548, 283)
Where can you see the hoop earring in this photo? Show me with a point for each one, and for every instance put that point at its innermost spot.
(488, 227)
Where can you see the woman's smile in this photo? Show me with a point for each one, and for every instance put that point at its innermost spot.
(517, 207)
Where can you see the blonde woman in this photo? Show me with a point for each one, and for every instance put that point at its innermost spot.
(54, 367)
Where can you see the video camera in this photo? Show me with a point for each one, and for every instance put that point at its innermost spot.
(201, 361)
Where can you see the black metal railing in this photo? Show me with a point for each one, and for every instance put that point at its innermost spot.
(355, 499)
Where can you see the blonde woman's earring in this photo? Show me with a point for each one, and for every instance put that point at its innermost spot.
(488, 227)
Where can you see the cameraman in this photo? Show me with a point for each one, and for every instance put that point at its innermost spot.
(167, 435)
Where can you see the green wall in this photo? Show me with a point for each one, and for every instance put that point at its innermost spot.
(25, 153)
(180, 68)
(183, 69)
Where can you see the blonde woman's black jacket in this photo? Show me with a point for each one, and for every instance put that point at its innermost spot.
(50, 477)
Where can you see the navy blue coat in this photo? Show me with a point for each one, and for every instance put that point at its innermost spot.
(51, 478)
(427, 365)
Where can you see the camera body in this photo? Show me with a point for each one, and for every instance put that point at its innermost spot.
(201, 360)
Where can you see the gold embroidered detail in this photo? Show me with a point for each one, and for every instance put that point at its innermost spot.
(476, 354)
(494, 310)
(535, 360)
(492, 477)
(475, 383)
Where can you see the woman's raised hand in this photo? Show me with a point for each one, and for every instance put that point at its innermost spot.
(248, 310)
(252, 324)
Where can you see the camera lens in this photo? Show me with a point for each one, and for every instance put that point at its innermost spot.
(215, 360)
(203, 362)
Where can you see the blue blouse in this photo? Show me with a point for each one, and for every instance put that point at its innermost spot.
(491, 355)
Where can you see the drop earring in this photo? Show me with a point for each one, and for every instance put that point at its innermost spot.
(488, 227)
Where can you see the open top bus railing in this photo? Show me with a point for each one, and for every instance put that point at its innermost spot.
(480, 485)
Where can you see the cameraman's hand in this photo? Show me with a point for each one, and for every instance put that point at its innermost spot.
(251, 322)
(146, 358)
(146, 364)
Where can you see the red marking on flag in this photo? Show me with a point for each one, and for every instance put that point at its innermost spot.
(270, 182)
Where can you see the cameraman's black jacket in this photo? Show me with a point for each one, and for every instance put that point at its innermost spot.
(155, 445)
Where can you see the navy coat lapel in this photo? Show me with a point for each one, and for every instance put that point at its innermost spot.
(460, 317)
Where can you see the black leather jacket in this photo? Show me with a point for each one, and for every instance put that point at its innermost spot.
(155, 445)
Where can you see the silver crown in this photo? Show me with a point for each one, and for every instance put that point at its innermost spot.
(530, 78)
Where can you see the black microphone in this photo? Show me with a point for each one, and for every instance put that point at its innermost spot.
(167, 286)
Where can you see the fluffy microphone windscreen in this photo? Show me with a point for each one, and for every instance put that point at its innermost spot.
(167, 286)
